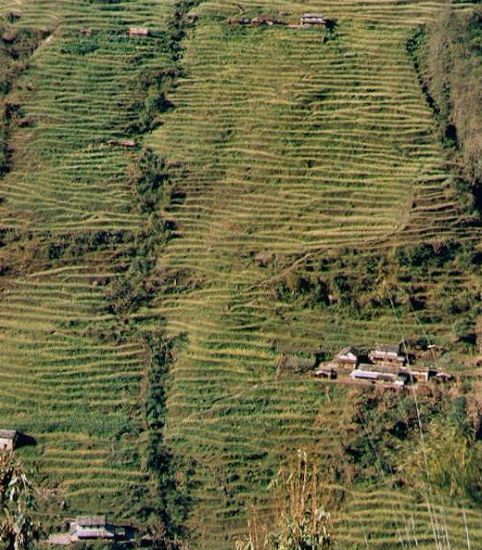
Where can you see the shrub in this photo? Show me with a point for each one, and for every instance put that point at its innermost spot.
(451, 67)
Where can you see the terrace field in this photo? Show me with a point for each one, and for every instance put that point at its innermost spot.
(307, 203)
(299, 151)
(69, 377)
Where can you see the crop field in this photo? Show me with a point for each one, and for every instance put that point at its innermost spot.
(65, 380)
(287, 150)
(294, 149)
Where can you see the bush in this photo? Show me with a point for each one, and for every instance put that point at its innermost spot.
(451, 67)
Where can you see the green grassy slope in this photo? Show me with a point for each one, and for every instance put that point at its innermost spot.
(284, 154)
(69, 377)
(299, 150)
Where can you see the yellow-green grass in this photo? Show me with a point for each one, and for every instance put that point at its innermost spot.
(75, 393)
(292, 146)
(298, 148)
(78, 92)
(66, 380)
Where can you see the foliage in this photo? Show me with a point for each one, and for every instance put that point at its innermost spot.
(301, 522)
(448, 460)
(150, 181)
(451, 65)
(18, 529)
(169, 503)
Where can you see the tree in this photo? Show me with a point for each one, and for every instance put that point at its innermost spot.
(18, 530)
(301, 521)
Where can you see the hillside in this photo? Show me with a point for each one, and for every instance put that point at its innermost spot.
(180, 211)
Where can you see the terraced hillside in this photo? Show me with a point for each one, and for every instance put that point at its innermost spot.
(295, 150)
(71, 378)
(299, 182)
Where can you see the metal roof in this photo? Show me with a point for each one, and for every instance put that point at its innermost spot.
(358, 373)
(90, 521)
(388, 348)
(349, 349)
(93, 533)
(8, 434)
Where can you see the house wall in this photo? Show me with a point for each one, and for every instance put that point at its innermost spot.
(6, 444)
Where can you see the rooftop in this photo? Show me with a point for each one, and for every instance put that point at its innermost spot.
(388, 348)
(89, 521)
(93, 533)
(349, 349)
(8, 434)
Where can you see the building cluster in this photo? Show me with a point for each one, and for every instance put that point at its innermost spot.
(307, 20)
(386, 364)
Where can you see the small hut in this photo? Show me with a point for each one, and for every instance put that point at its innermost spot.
(329, 373)
(349, 356)
(243, 21)
(263, 20)
(312, 20)
(139, 31)
(128, 143)
(9, 37)
(387, 353)
(91, 527)
(8, 440)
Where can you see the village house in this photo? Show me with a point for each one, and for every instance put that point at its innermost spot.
(88, 528)
(329, 373)
(361, 374)
(387, 354)
(262, 20)
(8, 440)
(243, 21)
(372, 375)
(128, 143)
(312, 20)
(349, 356)
(139, 31)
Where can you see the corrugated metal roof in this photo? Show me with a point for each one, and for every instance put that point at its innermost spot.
(93, 533)
(91, 521)
(8, 434)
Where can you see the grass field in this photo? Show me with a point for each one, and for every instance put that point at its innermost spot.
(280, 146)
(66, 379)
(298, 150)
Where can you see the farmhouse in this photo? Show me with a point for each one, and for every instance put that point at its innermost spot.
(128, 143)
(348, 356)
(263, 20)
(387, 353)
(8, 440)
(372, 376)
(312, 20)
(329, 373)
(139, 31)
(91, 528)
(243, 21)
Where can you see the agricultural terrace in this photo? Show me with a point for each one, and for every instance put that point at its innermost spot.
(295, 151)
(70, 377)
